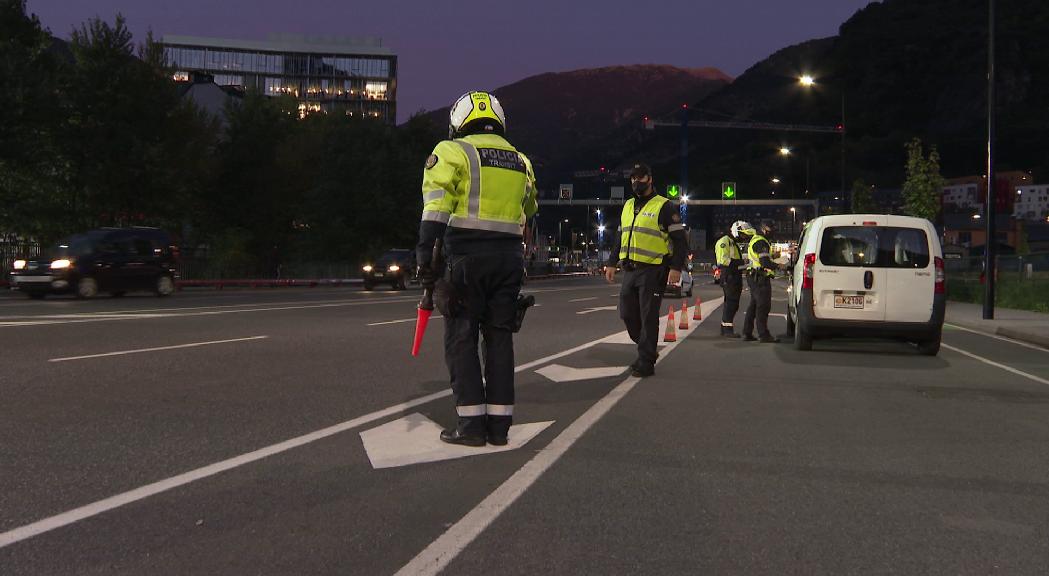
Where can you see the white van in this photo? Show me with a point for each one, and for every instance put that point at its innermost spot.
(863, 275)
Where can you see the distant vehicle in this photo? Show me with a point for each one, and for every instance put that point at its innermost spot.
(395, 267)
(862, 275)
(114, 260)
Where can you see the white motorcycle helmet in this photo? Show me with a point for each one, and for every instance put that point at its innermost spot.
(473, 109)
(741, 227)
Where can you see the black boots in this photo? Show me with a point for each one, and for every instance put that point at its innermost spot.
(454, 436)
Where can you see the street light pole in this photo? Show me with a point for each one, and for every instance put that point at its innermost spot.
(989, 248)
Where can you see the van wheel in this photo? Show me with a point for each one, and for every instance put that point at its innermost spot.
(791, 328)
(930, 347)
(87, 287)
(802, 340)
(165, 286)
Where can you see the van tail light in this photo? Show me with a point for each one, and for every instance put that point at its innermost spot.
(809, 264)
(941, 281)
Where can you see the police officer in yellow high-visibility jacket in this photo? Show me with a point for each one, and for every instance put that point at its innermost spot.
(652, 250)
(478, 191)
(759, 280)
(730, 275)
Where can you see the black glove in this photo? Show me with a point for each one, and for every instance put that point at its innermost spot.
(427, 277)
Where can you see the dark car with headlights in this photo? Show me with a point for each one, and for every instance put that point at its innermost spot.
(113, 260)
(394, 267)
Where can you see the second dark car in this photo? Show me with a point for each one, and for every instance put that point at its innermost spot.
(395, 267)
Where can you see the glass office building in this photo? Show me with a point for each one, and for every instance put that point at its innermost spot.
(353, 76)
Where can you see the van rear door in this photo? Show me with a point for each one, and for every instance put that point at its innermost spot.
(848, 284)
(908, 254)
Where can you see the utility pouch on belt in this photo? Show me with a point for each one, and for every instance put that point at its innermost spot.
(523, 304)
(446, 298)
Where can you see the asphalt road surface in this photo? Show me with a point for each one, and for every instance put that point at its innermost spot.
(289, 431)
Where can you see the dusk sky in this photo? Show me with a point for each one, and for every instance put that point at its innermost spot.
(446, 47)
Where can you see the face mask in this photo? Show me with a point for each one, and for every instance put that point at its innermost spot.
(640, 188)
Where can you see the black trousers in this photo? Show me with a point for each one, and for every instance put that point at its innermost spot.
(488, 284)
(732, 286)
(760, 304)
(640, 297)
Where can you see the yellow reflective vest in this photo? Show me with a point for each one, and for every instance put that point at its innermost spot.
(641, 239)
(726, 250)
(755, 256)
(479, 182)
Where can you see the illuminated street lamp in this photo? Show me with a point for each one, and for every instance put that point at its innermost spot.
(808, 81)
(784, 151)
(775, 180)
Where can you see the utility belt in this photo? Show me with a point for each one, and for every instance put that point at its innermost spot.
(760, 273)
(630, 265)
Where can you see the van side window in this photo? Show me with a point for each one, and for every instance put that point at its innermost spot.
(849, 246)
(910, 248)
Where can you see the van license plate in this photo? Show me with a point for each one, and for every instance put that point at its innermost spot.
(848, 302)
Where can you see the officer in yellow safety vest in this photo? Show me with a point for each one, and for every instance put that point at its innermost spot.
(760, 273)
(478, 192)
(730, 275)
(652, 249)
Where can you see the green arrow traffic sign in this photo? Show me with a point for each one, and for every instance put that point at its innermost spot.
(728, 190)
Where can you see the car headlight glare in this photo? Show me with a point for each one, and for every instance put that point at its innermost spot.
(19, 264)
(368, 268)
(394, 268)
(60, 264)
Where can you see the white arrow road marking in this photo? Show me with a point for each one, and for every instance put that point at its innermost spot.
(559, 373)
(599, 309)
(584, 299)
(415, 439)
(442, 551)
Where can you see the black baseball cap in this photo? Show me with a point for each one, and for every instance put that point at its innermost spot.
(640, 170)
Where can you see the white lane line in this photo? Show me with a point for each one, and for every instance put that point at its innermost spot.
(996, 364)
(95, 508)
(997, 337)
(401, 321)
(442, 551)
(206, 313)
(157, 349)
(584, 299)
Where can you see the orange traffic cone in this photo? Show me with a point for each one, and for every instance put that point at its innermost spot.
(684, 317)
(671, 334)
(698, 313)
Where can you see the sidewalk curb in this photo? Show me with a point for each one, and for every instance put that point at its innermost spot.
(1011, 333)
(1036, 339)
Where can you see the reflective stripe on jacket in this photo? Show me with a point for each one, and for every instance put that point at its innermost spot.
(479, 182)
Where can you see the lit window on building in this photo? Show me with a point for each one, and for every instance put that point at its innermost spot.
(376, 90)
(180, 76)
